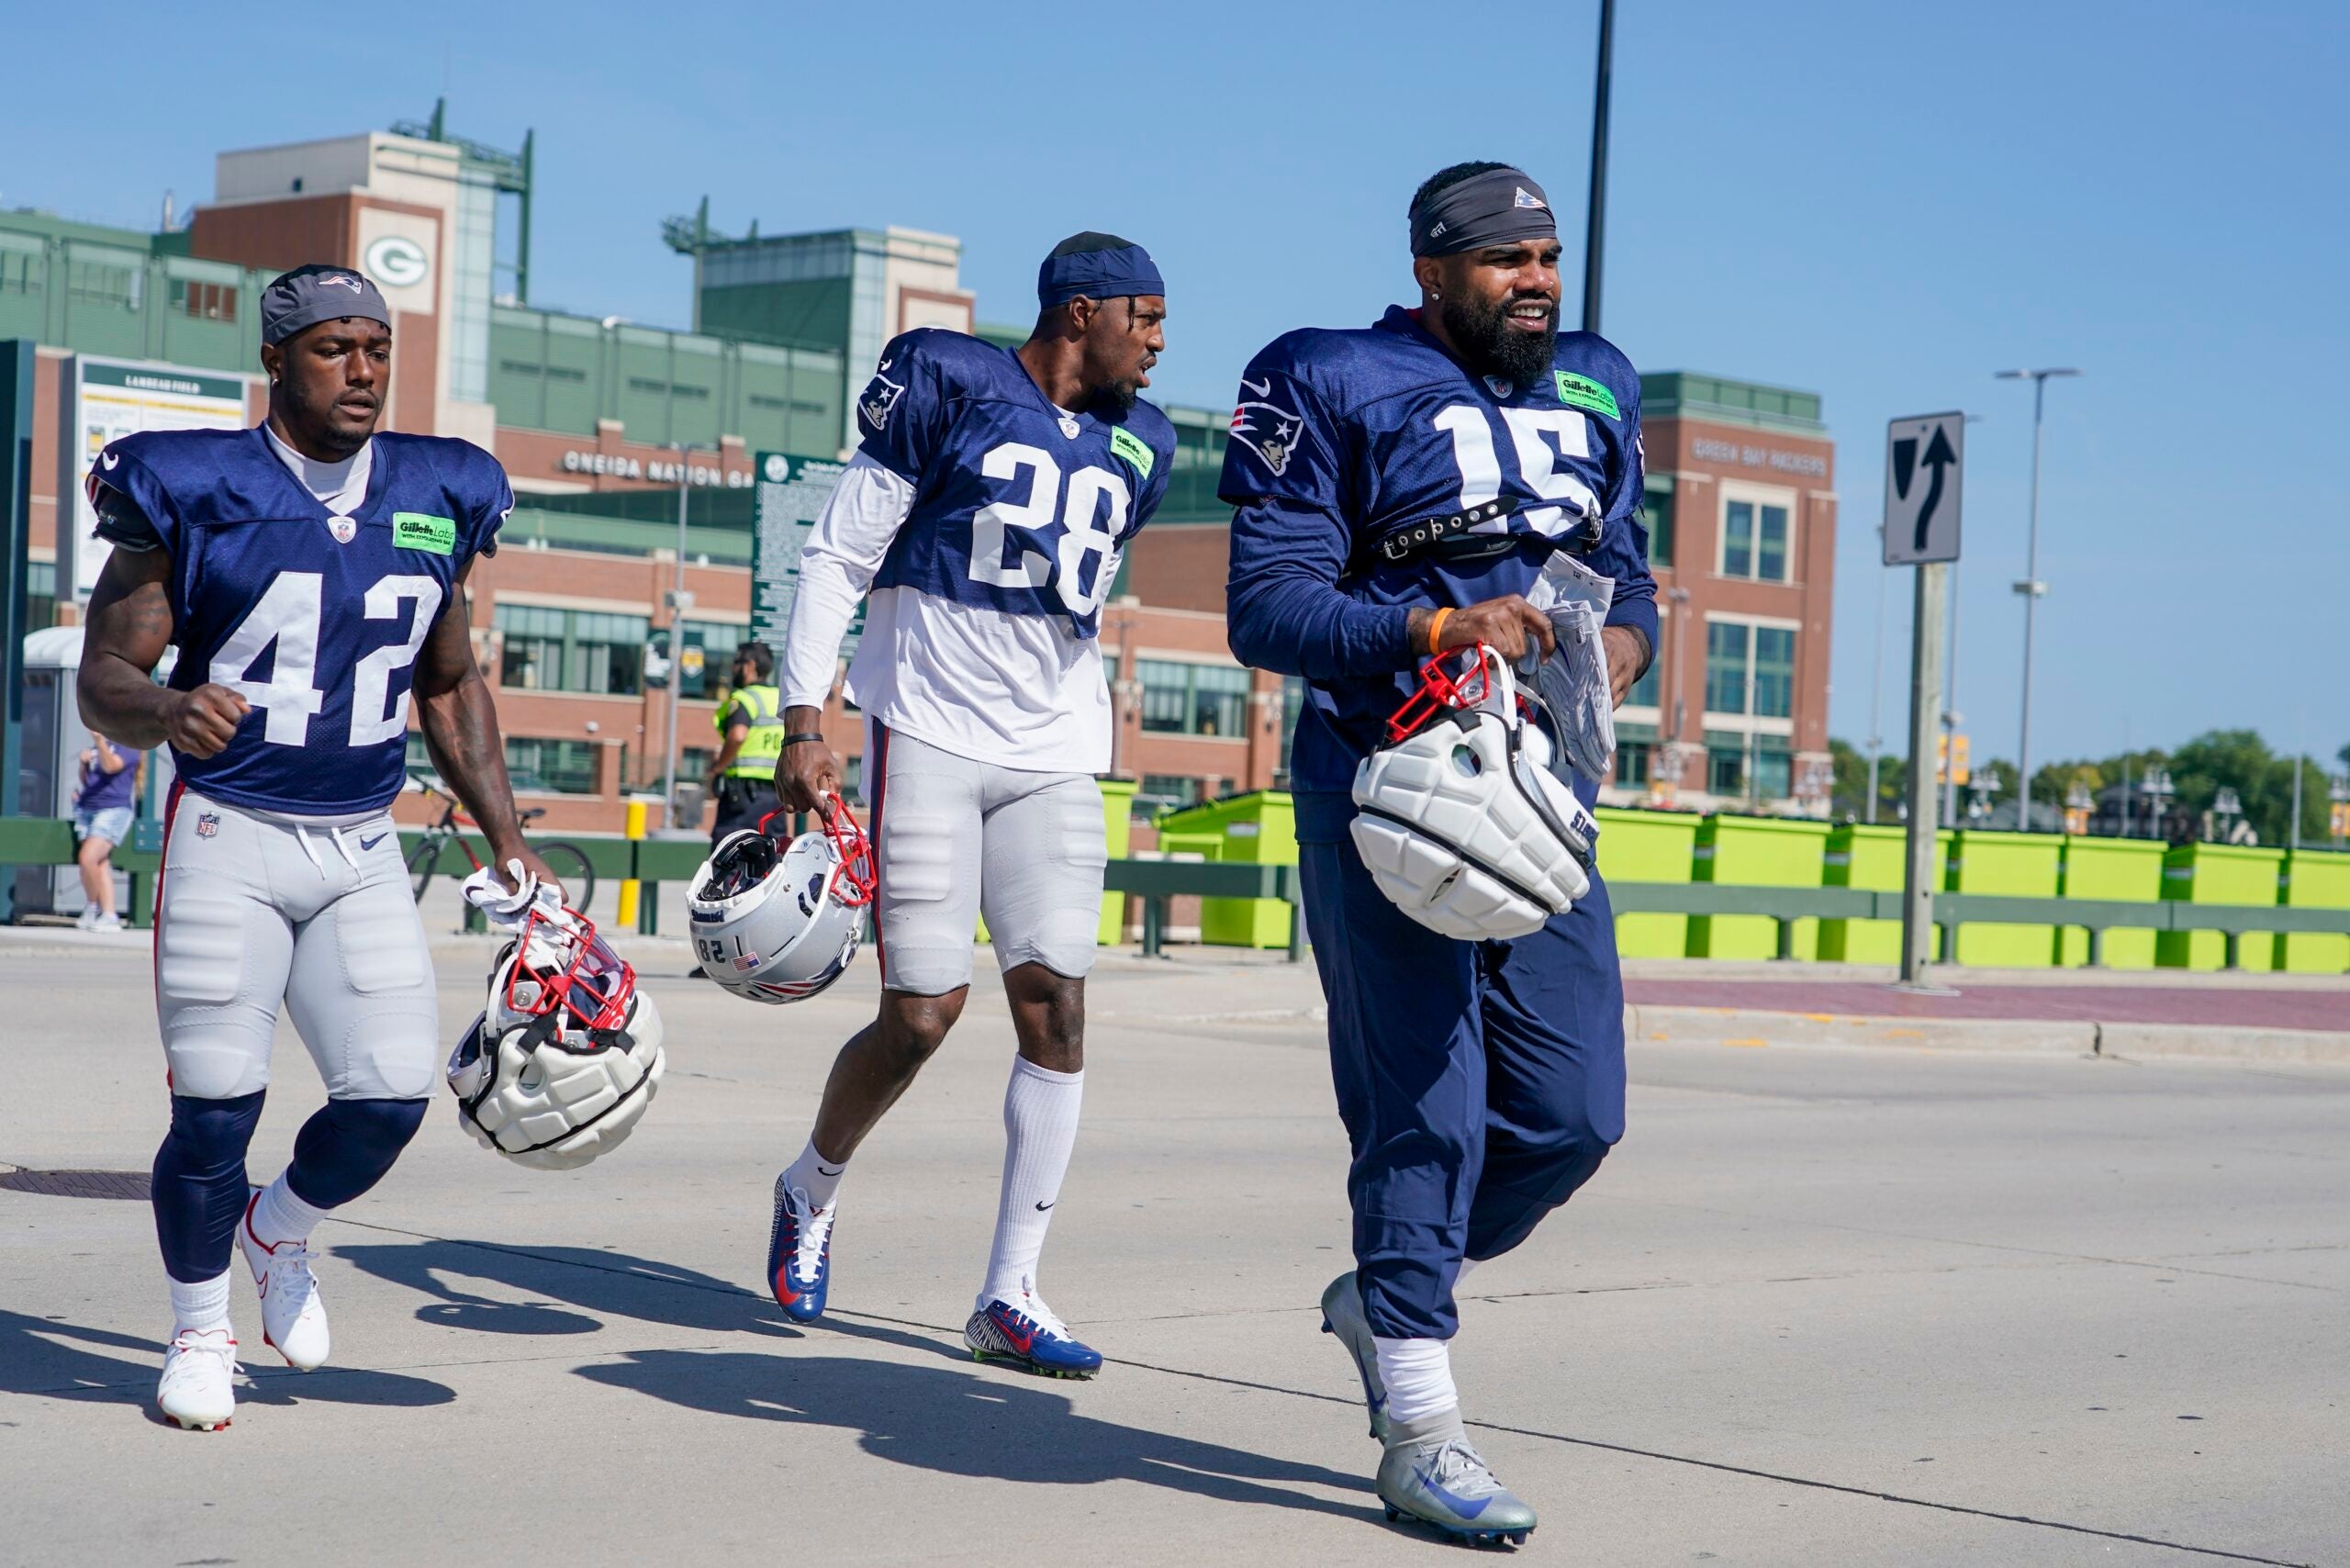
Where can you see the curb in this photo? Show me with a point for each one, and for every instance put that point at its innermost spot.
(2031, 1037)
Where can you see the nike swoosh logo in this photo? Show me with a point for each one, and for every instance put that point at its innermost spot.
(1453, 1500)
(1264, 391)
(371, 842)
(822, 1171)
(1042, 1208)
(109, 459)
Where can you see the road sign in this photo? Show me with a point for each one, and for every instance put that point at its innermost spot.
(1924, 462)
(1942, 746)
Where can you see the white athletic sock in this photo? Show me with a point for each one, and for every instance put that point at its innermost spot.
(279, 1216)
(204, 1305)
(1419, 1376)
(816, 1176)
(1040, 1129)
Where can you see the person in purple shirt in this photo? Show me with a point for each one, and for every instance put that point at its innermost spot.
(102, 812)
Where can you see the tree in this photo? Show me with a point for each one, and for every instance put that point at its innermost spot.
(1849, 798)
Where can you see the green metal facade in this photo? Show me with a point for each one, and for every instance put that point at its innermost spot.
(115, 291)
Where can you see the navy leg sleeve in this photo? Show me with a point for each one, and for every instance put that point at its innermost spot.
(348, 1147)
(1554, 1072)
(1408, 1056)
(198, 1187)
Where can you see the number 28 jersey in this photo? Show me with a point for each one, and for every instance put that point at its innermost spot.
(315, 618)
(1018, 506)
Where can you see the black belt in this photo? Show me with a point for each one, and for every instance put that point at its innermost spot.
(1450, 538)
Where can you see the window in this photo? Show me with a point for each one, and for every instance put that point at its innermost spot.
(1755, 540)
(1658, 505)
(1193, 700)
(718, 640)
(1774, 769)
(204, 301)
(1643, 692)
(1726, 651)
(1632, 764)
(41, 594)
(1725, 767)
(1766, 687)
(1775, 672)
(567, 767)
(572, 650)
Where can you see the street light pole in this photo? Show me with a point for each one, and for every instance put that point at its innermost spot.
(1595, 215)
(679, 602)
(2031, 587)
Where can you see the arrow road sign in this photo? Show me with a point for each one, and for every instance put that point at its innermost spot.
(1924, 462)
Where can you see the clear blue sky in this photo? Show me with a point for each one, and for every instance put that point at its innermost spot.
(1881, 204)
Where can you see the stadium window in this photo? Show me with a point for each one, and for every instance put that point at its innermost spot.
(1725, 769)
(1727, 644)
(1774, 769)
(204, 301)
(1658, 505)
(41, 594)
(1754, 539)
(718, 639)
(566, 768)
(1179, 699)
(1775, 672)
(1165, 792)
(1632, 766)
(571, 650)
(1643, 692)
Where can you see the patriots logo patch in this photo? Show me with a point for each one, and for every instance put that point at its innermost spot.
(1528, 198)
(341, 280)
(1268, 430)
(881, 395)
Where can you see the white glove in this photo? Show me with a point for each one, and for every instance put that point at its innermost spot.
(509, 909)
(1572, 682)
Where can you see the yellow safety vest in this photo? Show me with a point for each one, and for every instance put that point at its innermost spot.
(760, 707)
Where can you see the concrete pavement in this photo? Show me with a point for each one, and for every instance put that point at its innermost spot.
(1824, 1306)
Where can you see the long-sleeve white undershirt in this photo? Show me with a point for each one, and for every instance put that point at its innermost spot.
(1021, 691)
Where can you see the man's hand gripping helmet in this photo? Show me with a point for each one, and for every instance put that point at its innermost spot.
(561, 1064)
(779, 922)
(1461, 820)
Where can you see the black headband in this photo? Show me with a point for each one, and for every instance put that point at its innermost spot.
(1496, 207)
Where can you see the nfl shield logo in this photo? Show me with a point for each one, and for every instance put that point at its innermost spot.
(207, 825)
(343, 529)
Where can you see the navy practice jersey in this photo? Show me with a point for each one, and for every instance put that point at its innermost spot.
(1341, 437)
(1017, 505)
(314, 619)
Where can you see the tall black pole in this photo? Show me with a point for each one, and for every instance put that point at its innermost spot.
(1594, 241)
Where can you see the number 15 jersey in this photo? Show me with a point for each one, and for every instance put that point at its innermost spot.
(315, 617)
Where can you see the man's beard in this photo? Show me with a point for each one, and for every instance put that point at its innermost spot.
(1116, 397)
(1493, 347)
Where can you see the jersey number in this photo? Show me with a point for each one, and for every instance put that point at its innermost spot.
(288, 614)
(1083, 532)
(1531, 431)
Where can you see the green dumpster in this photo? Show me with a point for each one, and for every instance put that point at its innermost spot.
(1755, 852)
(2219, 874)
(1648, 846)
(1259, 828)
(2122, 870)
(1869, 857)
(2014, 865)
(2316, 878)
(1118, 825)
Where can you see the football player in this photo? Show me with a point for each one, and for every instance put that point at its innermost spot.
(985, 511)
(312, 573)
(1480, 1082)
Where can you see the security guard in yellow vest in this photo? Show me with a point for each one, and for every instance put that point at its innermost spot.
(750, 721)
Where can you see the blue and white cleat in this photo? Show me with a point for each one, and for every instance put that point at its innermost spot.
(800, 1254)
(1028, 1337)
(1343, 1315)
(1429, 1474)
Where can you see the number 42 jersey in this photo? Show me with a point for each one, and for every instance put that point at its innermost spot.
(315, 616)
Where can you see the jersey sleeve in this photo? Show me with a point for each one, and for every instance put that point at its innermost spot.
(1285, 443)
(903, 414)
(1147, 449)
(490, 497)
(135, 511)
(1623, 551)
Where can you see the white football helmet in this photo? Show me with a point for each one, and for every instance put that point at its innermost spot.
(780, 922)
(561, 1064)
(1461, 820)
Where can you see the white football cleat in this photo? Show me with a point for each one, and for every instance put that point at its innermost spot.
(199, 1387)
(293, 1318)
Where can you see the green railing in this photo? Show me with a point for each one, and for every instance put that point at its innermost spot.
(43, 841)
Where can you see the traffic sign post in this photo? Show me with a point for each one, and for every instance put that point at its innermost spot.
(1924, 470)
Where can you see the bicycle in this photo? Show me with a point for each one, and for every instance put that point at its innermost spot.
(567, 860)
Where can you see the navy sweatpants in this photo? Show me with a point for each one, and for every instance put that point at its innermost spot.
(1480, 1082)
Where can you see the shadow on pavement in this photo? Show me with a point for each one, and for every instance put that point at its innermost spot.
(999, 1426)
(34, 1359)
(595, 1281)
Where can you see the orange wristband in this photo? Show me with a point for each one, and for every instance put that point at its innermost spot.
(1436, 629)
